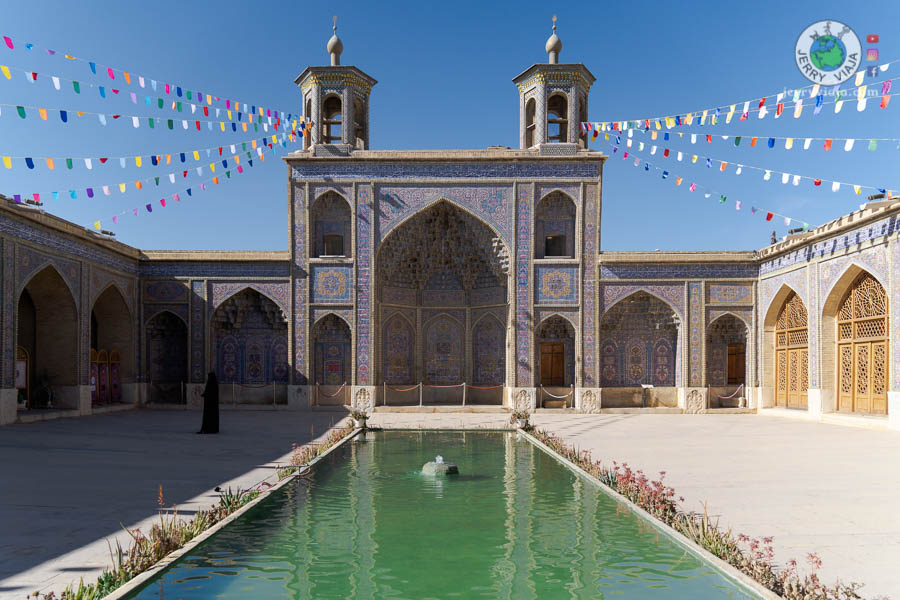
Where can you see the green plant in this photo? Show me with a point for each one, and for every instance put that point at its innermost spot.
(358, 415)
(519, 415)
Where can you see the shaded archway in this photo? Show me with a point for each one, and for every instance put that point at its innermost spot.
(47, 329)
(248, 341)
(436, 274)
(167, 357)
(726, 360)
(332, 360)
(855, 343)
(112, 339)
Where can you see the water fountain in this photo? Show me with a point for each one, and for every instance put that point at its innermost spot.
(439, 467)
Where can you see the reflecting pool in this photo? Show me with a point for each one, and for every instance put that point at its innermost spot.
(368, 524)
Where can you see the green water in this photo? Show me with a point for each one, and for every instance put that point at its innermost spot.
(514, 524)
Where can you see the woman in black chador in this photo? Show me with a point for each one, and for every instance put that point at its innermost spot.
(210, 405)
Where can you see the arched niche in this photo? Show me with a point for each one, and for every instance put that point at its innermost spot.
(555, 349)
(331, 226)
(112, 330)
(47, 329)
(166, 338)
(554, 227)
(726, 359)
(332, 358)
(248, 340)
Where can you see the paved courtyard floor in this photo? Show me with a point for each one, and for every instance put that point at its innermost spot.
(68, 485)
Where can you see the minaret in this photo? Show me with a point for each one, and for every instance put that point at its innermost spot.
(553, 100)
(336, 100)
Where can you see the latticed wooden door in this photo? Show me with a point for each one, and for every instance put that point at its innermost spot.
(791, 354)
(862, 353)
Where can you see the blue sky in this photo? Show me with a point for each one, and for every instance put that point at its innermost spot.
(444, 72)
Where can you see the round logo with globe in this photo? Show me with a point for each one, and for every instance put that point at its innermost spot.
(828, 52)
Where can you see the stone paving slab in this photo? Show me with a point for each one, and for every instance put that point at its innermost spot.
(68, 485)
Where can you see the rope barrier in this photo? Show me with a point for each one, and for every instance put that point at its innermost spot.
(740, 387)
(415, 387)
(252, 385)
(491, 387)
(445, 386)
(340, 389)
(555, 396)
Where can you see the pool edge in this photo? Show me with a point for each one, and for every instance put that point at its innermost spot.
(143, 578)
(742, 579)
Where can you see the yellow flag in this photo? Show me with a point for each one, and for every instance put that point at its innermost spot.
(196, 155)
(253, 143)
(7, 162)
(222, 125)
(168, 159)
(694, 158)
(137, 161)
(814, 91)
(274, 140)
(788, 143)
(209, 99)
(703, 118)
(859, 78)
(43, 113)
(50, 164)
(97, 225)
(212, 167)
(730, 113)
(244, 126)
(5, 70)
(261, 111)
(857, 189)
(653, 135)
(236, 159)
(837, 106)
(228, 112)
(122, 187)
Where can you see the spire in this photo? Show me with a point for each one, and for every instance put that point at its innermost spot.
(553, 45)
(335, 46)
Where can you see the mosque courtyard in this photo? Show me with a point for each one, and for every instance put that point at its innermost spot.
(800, 482)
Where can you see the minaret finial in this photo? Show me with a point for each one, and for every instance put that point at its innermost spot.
(335, 46)
(553, 45)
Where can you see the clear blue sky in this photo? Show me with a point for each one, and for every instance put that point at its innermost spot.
(444, 72)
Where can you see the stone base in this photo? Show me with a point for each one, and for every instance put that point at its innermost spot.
(363, 397)
(134, 393)
(298, 398)
(193, 398)
(819, 402)
(440, 469)
(8, 403)
(894, 410)
(587, 400)
(693, 400)
(753, 396)
(521, 398)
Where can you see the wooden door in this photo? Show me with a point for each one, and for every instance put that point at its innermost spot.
(791, 357)
(553, 363)
(862, 348)
(737, 354)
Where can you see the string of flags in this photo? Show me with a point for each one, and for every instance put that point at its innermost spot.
(722, 166)
(871, 144)
(151, 122)
(780, 101)
(177, 105)
(163, 202)
(707, 191)
(167, 158)
(130, 78)
(139, 184)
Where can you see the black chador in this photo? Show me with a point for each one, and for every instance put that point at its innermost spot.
(210, 405)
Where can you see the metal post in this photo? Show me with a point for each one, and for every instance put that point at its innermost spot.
(464, 393)
(384, 394)
(420, 393)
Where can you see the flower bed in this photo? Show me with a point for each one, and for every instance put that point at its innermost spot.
(172, 533)
(751, 556)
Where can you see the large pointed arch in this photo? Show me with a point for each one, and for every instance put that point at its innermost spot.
(394, 226)
(398, 344)
(47, 329)
(855, 342)
(112, 332)
(647, 290)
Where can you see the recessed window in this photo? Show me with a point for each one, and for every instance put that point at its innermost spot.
(359, 125)
(331, 123)
(334, 245)
(557, 120)
(529, 123)
(555, 245)
(308, 116)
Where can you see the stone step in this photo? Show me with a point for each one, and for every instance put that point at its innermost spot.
(438, 408)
